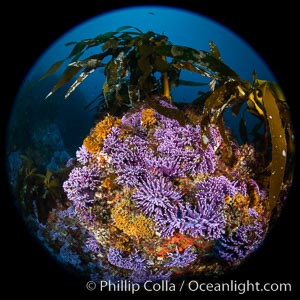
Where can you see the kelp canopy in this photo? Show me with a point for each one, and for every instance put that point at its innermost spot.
(135, 57)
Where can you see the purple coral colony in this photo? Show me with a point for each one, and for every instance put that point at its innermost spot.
(147, 202)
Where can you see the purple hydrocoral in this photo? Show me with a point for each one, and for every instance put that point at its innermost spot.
(181, 259)
(127, 157)
(68, 256)
(112, 140)
(241, 242)
(169, 166)
(92, 244)
(167, 221)
(162, 118)
(155, 195)
(215, 138)
(171, 137)
(133, 262)
(207, 162)
(131, 176)
(83, 155)
(253, 213)
(81, 185)
(67, 213)
(183, 144)
(207, 219)
(130, 152)
(214, 189)
(167, 104)
(132, 120)
(241, 186)
(253, 185)
(178, 152)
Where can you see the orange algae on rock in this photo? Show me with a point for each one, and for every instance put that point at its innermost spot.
(238, 208)
(148, 118)
(94, 141)
(108, 183)
(136, 225)
(240, 201)
(123, 243)
(177, 241)
(257, 203)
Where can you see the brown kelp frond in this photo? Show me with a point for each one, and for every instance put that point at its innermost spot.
(134, 57)
(214, 107)
(202, 61)
(278, 140)
(265, 101)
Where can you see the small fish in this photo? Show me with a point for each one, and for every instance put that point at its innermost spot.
(151, 13)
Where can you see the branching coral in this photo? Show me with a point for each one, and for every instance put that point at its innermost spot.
(82, 155)
(181, 143)
(132, 120)
(214, 189)
(81, 185)
(241, 242)
(136, 263)
(206, 220)
(168, 221)
(181, 259)
(132, 262)
(93, 245)
(126, 157)
(156, 195)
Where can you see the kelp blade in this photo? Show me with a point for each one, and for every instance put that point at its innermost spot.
(202, 58)
(279, 146)
(69, 73)
(53, 69)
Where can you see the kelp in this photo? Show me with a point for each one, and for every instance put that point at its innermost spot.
(171, 113)
(203, 61)
(44, 186)
(135, 56)
(69, 73)
(279, 144)
(53, 69)
(215, 51)
(190, 83)
(265, 101)
(214, 108)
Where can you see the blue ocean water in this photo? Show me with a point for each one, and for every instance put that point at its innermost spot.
(181, 26)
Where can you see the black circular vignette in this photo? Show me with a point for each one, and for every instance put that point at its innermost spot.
(268, 29)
